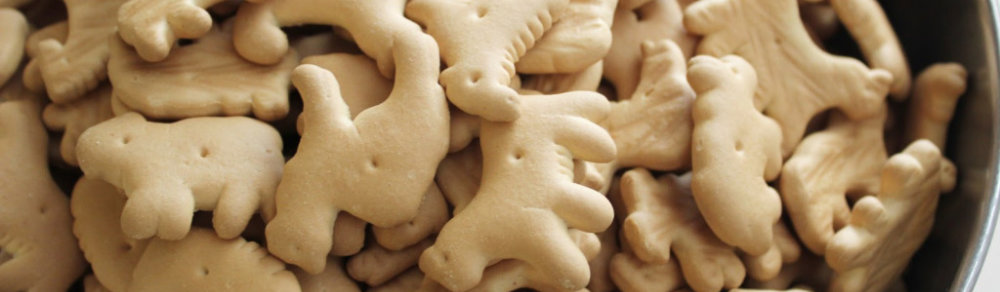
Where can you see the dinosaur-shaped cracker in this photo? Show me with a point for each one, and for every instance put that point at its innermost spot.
(333, 278)
(866, 21)
(935, 95)
(634, 275)
(97, 207)
(528, 197)
(32, 75)
(735, 152)
(661, 19)
(580, 38)
(13, 34)
(203, 262)
(797, 79)
(72, 68)
(376, 265)
(480, 42)
(431, 216)
(229, 165)
(384, 171)
(885, 230)
(845, 158)
(77, 116)
(37, 249)
(152, 26)
(662, 218)
(206, 78)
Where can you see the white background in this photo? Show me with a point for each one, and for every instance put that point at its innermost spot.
(989, 277)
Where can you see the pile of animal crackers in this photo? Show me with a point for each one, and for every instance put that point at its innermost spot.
(464, 145)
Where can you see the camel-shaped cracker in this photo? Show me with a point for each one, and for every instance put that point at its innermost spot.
(97, 207)
(867, 23)
(72, 68)
(631, 274)
(845, 158)
(932, 106)
(528, 196)
(663, 219)
(201, 261)
(207, 78)
(885, 230)
(797, 79)
(580, 38)
(662, 19)
(37, 249)
(152, 26)
(376, 265)
(384, 171)
(230, 165)
(77, 116)
(480, 42)
(333, 278)
(13, 34)
(736, 150)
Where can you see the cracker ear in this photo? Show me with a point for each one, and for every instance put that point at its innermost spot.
(321, 96)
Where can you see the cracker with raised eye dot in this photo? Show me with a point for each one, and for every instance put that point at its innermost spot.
(13, 35)
(333, 278)
(885, 230)
(785, 250)
(661, 19)
(663, 222)
(798, 80)
(37, 249)
(97, 209)
(827, 167)
(580, 38)
(32, 75)
(376, 265)
(631, 274)
(201, 261)
(207, 78)
(152, 26)
(935, 94)
(229, 165)
(431, 216)
(383, 172)
(73, 67)
(408, 281)
(868, 24)
(528, 195)
(480, 42)
(77, 116)
(736, 150)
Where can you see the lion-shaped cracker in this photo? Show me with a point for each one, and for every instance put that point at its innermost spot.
(333, 278)
(230, 165)
(72, 68)
(736, 150)
(885, 230)
(480, 42)
(797, 79)
(528, 197)
(935, 95)
(376, 265)
(32, 75)
(846, 158)
(786, 250)
(580, 38)
(431, 216)
(869, 26)
(13, 34)
(37, 249)
(383, 172)
(661, 19)
(207, 78)
(663, 219)
(631, 274)
(409, 281)
(201, 261)
(97, 207)
(152, 26)
(77, 116)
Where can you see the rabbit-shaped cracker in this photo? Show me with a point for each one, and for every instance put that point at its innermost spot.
(72, 68)
(663, 219)
(580, 38)
(528, 197)
(97, 207)
(13, 34)
(37, 249)
(885, 230)
(845, 158)
(230, 165)
(797, 79)
(736, 150)
(480, 42)
(152, 26)
(631, 274)
(935, 95)
(384, 171)
(866, 21)
(78, 116)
